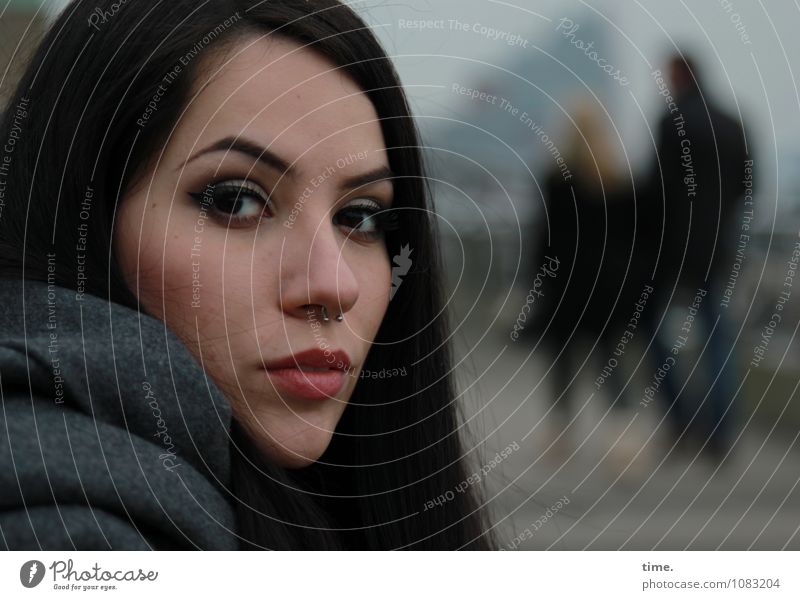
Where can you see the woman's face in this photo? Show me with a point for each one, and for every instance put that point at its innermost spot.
(256, 214)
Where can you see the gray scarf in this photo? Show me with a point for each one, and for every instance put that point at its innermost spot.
(111, 435)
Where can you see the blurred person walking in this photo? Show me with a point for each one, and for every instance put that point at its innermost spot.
(695, 183)
(588, 229)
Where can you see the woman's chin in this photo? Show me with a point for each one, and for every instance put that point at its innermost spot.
(295, 458)
(292, 450)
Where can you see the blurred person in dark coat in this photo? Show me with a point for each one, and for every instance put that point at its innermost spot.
(588, 229)
(694, 188)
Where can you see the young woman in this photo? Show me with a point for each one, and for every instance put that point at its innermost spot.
(205, 344)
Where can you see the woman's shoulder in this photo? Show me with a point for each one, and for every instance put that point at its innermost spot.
(113, 431)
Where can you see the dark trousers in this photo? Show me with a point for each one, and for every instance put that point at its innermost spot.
(703, 404)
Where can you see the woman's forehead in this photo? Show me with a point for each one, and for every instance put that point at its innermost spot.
(284, 96)
(278, 75)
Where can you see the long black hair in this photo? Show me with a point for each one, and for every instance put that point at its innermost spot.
(388, 479)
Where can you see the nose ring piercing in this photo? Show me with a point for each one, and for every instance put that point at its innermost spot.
(325, 317)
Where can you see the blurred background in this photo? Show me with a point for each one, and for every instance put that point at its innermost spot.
(620, 277)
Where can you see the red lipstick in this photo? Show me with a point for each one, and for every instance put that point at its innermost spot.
(315, 374)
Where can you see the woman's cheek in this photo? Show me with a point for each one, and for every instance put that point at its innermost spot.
(377, 287)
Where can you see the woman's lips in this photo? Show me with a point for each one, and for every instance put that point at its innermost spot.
(312, 373)
(315, 385)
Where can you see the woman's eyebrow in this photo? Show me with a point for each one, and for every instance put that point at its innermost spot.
(245, 146)
(382, 173)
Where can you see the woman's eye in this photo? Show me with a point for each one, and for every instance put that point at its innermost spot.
(367, 221)
(236, 202)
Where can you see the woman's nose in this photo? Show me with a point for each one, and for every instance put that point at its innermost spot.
(314, 270)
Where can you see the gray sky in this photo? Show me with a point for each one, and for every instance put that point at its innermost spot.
(742, 45)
